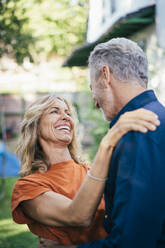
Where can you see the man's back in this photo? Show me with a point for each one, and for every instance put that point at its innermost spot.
(135, 191)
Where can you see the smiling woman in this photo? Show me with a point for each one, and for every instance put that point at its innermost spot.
(58, 191)
(41, 119)
(56, 129)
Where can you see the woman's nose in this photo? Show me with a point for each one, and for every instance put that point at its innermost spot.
(64, 116)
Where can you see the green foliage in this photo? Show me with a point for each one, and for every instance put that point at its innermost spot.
(13, 39)
(13, 235)
(41, 27)
(99, 128)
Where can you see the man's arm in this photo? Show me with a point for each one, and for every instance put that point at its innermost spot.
(137, 208)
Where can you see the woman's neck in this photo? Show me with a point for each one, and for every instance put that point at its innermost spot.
(56, 153)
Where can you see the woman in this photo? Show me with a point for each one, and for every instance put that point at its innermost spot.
(56, 197)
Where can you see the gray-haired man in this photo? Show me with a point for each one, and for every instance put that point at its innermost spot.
(135, 189)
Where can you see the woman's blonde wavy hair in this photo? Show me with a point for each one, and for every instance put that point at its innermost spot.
(29, 149)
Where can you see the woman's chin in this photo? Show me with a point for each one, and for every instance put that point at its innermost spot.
(66, 140)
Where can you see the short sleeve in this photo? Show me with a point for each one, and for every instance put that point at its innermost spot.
(25, 189)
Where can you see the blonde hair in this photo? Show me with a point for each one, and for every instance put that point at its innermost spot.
(29, 149)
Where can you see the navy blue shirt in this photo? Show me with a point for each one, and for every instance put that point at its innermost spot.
(135, 189)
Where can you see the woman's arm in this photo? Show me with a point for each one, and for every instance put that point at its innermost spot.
(55, 209)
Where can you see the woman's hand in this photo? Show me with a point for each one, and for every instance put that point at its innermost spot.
(140, 120)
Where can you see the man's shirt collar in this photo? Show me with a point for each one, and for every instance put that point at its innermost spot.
(137, 102)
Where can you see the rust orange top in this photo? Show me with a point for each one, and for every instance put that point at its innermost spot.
(64, 178)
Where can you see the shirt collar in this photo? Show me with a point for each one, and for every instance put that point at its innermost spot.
(137, 102)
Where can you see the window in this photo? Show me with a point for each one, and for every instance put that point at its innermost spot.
(113, 6)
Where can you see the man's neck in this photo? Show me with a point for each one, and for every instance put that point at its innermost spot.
(126, 93)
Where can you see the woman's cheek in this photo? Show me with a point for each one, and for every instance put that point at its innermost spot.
(52, 131)
(72, 124)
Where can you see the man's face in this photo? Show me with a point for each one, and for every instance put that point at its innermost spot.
(103, 96)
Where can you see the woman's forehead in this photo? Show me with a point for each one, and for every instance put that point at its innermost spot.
(59, 103)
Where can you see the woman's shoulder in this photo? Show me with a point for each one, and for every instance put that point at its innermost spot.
(26, 188)
(32, 180)
(82, 167)
(29, 187)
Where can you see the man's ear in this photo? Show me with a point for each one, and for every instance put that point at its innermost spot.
(106, 74)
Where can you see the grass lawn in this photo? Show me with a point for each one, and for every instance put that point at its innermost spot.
(13, 235)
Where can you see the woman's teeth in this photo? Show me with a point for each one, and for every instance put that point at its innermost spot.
(63, 127)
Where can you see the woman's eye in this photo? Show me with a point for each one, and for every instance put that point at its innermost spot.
(68, 114)
(54, 111)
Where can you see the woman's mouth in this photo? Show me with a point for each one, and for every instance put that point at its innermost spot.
(65, 128)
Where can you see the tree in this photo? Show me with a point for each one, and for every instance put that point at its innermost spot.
(13, 39)
(37, 28)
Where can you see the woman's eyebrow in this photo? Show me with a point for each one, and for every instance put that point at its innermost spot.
(54, 108)
(66, 110)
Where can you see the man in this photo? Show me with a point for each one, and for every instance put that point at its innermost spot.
(135, 189)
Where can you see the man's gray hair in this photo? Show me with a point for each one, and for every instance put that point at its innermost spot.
(125, 59)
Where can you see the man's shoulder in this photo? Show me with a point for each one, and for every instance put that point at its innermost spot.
(133, 139)
(157, 108)
(157, 136)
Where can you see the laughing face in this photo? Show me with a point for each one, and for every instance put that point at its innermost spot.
(56, 125)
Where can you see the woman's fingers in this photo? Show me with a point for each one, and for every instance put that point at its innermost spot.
(142, 114)
(130, 124)
(141, 126)
(148, 125)
(135, 125)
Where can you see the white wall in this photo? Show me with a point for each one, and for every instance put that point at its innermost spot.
(160, 21)
(101, 9)
(97, 12)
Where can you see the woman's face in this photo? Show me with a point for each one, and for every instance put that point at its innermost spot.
(56, 125)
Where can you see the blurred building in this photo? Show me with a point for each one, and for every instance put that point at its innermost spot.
(105, 15)
(140, 20)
